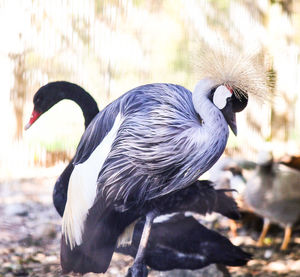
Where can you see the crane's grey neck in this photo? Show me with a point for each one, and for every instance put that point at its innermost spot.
(213, 119)
(77, 94)
(213, 132)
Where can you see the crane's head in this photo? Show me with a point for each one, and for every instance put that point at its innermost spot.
(231, 76)
(44, 99)
(228, 99)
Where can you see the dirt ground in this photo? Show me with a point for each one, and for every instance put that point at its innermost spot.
(30, 236)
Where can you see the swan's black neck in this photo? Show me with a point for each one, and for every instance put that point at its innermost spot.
(59, 91)
(86, 102)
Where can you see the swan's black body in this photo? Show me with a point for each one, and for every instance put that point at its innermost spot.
(61, 189)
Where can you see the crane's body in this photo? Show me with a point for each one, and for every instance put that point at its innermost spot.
(152, 141)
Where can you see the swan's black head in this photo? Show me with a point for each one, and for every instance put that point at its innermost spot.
(230, 101)
(46, 97)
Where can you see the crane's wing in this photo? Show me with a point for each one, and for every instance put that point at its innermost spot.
(159, 147)
(144, 145)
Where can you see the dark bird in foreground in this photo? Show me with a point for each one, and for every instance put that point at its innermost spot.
(273, 192)
(200, 198)
(189, 245)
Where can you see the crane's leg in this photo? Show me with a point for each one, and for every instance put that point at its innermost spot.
(287, 237)
(264, 231)
(233, 226)
(139, 268)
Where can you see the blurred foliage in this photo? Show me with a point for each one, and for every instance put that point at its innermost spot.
(111, 46)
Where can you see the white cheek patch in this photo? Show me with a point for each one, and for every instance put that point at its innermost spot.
(82, 188)
(220, 96)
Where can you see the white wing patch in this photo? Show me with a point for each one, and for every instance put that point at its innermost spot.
(220, 96)
(164, 218)
(83, 186)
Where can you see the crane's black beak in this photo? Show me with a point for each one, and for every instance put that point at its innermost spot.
(229, 116)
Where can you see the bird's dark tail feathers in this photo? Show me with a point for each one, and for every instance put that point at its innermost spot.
(226, 205)
(98, 243)
(201, 197)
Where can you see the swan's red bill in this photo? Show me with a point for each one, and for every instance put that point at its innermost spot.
(34, 116)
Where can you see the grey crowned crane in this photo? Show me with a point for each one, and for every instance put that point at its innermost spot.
(197, 251)
(153, 141)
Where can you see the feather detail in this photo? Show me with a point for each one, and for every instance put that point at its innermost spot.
(241, 72)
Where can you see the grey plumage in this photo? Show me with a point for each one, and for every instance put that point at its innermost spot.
(160, 145)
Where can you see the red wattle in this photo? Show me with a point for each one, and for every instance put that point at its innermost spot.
(229, 88)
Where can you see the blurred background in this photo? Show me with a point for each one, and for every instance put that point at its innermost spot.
(111, 46)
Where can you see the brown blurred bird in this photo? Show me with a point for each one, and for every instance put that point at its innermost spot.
(292, 161)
